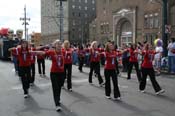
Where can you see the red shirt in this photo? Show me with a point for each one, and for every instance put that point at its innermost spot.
(67, 56)
(119, 53)
(32, 56)
(15, 53)
(133, 55)
(148, 59)
(57, 61)
(40, 57)
(87, 50)
(94, 55)
(81, 53)
(24, 57)
(110, 63)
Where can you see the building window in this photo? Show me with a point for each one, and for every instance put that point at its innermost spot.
(172, 15)
(85, 8)
(86, 15)
(79, 14)
(93, 9)
(156, 22)
(146, 21)
(73, 14)
(151, 21)
(79, 0)
(85, 1)
(73, 6)
(80, 7)
(73, 23)
(93, 1)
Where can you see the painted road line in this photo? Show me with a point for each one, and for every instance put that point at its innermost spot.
(49, 84)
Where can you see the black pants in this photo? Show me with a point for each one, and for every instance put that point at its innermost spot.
(117, 69)
(95, 66)
(57, 80)
(32, 79)
(103, 60)
(81, 62)
(25, 75)
(125, 62)
(108, 75)
(41, 62)
(151, 73)
(136, 65)
(68, 75)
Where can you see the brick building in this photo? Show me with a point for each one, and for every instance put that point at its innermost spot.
(130, 21)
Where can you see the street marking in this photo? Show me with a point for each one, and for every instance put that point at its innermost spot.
(18, 87)
(44, 84)
(80, 81)
(123, 86)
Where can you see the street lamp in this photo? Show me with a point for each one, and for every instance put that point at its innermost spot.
(164, 5)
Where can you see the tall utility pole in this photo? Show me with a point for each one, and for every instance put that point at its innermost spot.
(25, 23)
(61, 16)
(164, 23)
(164, 5)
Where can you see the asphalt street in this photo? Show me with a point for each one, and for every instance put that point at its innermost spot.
(85, 100)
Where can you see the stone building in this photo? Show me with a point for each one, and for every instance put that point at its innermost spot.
(77, 16)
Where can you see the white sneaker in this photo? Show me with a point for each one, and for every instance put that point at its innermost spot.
(102, 84)
(58, 108)
(142, 91)
(118, 98)
(31, 84)
(160, 92)
(63, 87)
(108, 97)
(70, 90)
(26, 96)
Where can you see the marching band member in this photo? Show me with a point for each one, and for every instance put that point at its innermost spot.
(67, 52)
(81, 55)
(133, 61)
(24, 56)
(147, 69)
(57, 74)
(110, 71)
(95, 63)
(32, 48)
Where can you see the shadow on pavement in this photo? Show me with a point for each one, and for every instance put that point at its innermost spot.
(31, 106)
(162, 97)
(66, 112)
(37, 89)
(81, 97)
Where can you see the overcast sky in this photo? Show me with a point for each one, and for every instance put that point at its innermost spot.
(12, 10)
